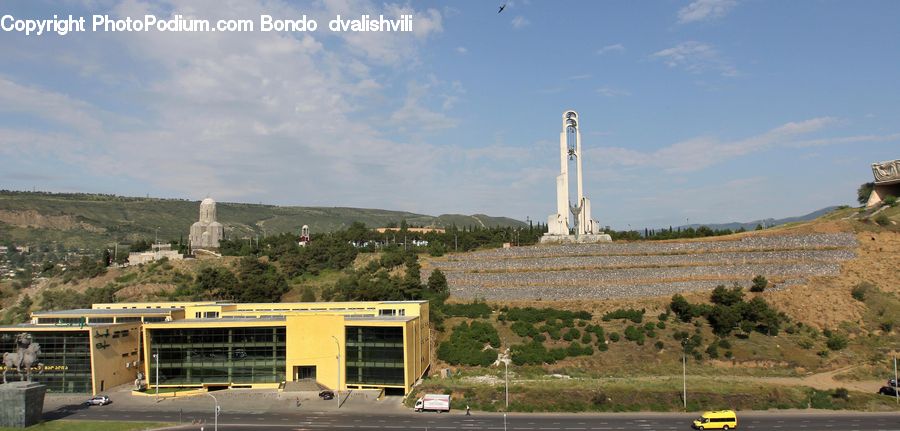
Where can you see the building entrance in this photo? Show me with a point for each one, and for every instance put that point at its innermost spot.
(304, 372)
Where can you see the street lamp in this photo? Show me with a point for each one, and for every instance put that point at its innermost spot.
(684, 373)
(157, 235)
(338, 387)
(506, 367)
(216, 413)
(156, 359)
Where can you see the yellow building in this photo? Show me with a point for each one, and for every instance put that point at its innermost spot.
(342, 345)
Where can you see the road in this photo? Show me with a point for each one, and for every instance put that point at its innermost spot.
(827, 421)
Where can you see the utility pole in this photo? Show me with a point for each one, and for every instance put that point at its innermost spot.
(338, 387)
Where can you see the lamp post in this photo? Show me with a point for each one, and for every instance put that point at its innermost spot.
(156, 360)
(157, 235)
(896, 382)
(684, 374)
(506, 377)
(216, 413)
(337, 388)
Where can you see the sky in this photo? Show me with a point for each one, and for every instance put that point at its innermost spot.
(692, 111)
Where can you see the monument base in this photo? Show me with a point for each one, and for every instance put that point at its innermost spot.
(21, 404)
(572, 239)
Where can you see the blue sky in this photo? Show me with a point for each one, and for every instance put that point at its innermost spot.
(707, 110)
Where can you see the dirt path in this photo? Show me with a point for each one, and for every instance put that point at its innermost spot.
(826, 380)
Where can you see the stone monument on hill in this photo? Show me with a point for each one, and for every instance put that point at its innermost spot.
(887, 182)
(206, 233)
(587, 230)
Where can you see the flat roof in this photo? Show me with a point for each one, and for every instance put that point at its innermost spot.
(104, 311)
(21, 326)
(382, 318)
(226, 319)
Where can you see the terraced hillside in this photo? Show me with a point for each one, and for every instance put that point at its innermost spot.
(624, 270)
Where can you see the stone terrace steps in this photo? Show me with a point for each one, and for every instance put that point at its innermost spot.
(601, 271)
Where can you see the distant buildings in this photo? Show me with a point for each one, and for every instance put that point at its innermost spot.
(158, 252)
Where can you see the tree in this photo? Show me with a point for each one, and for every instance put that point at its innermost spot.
(437, 282)
(759, 284)
(260, 282)
(727, 297)
(217, 283)
(863, 192)
(682, 308)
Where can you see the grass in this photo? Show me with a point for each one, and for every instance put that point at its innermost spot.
(75, 425)
(660, 394)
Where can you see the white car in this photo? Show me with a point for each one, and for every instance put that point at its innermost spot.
(100, 400)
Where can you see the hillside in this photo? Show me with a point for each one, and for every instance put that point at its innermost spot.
(768, 222)
(90, 220)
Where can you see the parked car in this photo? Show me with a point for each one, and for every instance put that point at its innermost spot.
(889, 390)
(892, 382)
(99, 400)
(326, 395)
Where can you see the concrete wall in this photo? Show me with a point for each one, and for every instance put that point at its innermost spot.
(310, 342)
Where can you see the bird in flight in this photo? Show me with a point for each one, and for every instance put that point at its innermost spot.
(502, 6)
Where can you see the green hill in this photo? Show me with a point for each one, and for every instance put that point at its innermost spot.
(91, 220)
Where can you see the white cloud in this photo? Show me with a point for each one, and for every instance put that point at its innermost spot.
(612, 92)
(461, 50)
(519, 22)
(579, 77)
(618, 47)
(846, 140)
(695, 57)
(704, 10)
(702, 152)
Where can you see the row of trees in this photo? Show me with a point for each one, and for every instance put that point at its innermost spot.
(730, 311)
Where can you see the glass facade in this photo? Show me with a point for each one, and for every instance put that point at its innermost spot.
(193, 356)
(66, 356)
(374, 355)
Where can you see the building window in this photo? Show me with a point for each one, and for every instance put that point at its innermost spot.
(127, 319)
(101, 320)
(374, 355)
(211, 315)
(243, 355)
(151, 319)
(387, 312)
(66, 356)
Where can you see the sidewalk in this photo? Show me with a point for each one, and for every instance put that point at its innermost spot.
(239, 401)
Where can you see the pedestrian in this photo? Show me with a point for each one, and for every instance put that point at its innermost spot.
(298, 401)
(468, 413)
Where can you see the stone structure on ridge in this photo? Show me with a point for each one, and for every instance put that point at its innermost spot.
(207, 232)
(887, 182)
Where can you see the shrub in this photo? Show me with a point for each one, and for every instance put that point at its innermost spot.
(659, 345)
(635, 334)
(841, 394)
(890, 200)
(661, 324)
(663, 317)
(882, 220)
(636, 316)
(759, 284)
(805, 344)
(887, 326)
(466, 345)
(723, 343)
(860, 290)
(836, 342)
(614, 337)
(713, 351)
(471, 310)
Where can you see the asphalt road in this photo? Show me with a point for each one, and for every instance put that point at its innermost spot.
(837, 421)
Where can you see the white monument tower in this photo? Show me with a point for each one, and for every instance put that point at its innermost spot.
(586, 228)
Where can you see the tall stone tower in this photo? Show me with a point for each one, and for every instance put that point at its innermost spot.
(207, 232)
(586, 228)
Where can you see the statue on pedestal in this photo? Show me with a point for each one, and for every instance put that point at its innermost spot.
(23, 358)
